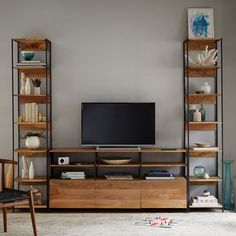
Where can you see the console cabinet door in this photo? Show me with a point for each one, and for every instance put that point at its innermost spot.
(163, 193)
(72, 194)
(117, 194)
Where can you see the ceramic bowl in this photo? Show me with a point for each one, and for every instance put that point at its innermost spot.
(27, 55)
(117, 161)
(203, 145)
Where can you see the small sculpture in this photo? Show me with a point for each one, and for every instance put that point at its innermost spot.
(31, 170)
(25, 169)
(206, 88)
(22, 87)
(206, 176)
(205, 58)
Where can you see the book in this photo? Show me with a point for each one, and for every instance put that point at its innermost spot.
(161, 173)
(119, 176)
(205, 149)
(150, 178)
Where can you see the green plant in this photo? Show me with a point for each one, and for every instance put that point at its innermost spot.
(36, 82)
(33, 134)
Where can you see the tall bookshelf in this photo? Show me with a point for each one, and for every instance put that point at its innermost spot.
(213, 127)
(32, 70)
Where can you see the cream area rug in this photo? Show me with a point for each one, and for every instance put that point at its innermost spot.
(120, 224)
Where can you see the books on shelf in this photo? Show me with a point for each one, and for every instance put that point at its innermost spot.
(205, 201)
(31, 112)
(205, 149)
(73, 175)
(159, 174)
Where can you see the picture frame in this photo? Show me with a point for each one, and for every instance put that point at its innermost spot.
(200, 23)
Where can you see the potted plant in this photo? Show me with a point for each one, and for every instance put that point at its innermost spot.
(32, 140)
(36, 83)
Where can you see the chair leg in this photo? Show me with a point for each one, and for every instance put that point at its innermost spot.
(32, 212)
(4, 211)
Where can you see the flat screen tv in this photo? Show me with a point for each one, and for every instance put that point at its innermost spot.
(118, 124)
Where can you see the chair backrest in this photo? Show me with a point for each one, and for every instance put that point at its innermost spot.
(7, 176)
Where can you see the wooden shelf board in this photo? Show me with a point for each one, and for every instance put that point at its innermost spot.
(36, 180)
(39, 99)
(203, 153)
(202, 98)
(118, 166)
(36, 206)
(206, 122)
(176, 178)
(202, 40)
(93, 150)
(201, 72)
(31, 152)
(164, 164)
(33, 126)
(198, 181)
(200, 44)
(32, 44)
(212, 207)
(72, 166)
(202, 67)
(30, 67)
(202, 126)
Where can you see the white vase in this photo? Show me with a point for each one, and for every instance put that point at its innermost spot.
(206, 88)
(22, 80)
(31, 170)
(25, 169)
(27, 87)
(197, 116)
(32, 142)
(37, 90)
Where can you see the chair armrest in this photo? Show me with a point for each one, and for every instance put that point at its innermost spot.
(5, 161)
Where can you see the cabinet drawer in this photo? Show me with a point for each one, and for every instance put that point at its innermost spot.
(163, 193)
(72, 194)
(117, 194)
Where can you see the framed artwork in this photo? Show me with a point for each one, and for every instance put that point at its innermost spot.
(200, 23)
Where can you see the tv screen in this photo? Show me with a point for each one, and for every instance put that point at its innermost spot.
(118, 124)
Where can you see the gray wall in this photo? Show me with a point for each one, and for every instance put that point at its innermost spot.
(112, 50)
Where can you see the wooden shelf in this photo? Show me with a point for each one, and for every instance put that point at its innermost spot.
(36, 180)
(31, 152)
(201, 72)
(200, 44)
(202, 98)
(33, 126)
(164, 164)
(34, 71)
(203, 126)
(32, 44)
(212, 207)
(93, 150)
(87, 165)
(118, 166)
(198, 181)
(202, 153)
(39, 99)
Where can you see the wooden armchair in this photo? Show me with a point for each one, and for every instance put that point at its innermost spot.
(10, 197)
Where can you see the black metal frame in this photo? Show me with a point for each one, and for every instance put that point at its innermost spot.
(218, 106)
(15, 54)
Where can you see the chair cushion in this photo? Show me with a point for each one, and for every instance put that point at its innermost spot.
(12, 195)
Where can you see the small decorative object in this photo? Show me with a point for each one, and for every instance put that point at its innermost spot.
(38, 195)
(63, 160)
(192, 109)
(206, 88)
(197, 116)
(206, 193)
(199, 172)
(203, 112)
(31, 170)
(36, 83)
(21, 117)
(44, 119)
(25, 169)
(27, 87)
(117, 161)
(228, 192)
(22, 79)
(200, 23)
(205, 58)
(206, 176)
(40, 117)
(32, 140)
(27, 55)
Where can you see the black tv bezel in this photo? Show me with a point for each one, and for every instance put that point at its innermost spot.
(118, 145)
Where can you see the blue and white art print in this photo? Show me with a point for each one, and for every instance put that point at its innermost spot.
(200, 23)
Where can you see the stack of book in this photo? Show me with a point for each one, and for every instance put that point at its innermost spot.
(205, 201)
(119, 176)
(31, 63)
(195, 148)
(31, 112)
(73, 175)
(159, 174)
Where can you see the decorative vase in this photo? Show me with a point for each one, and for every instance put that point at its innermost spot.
(22, 80)
(197, 116)
(31, 170)
(203, 112)
(192, 109)
(206, 88)
(228, 192)
(32, 142)
(199, 172)
(25, 169)
(37, 90)
(27, 87)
